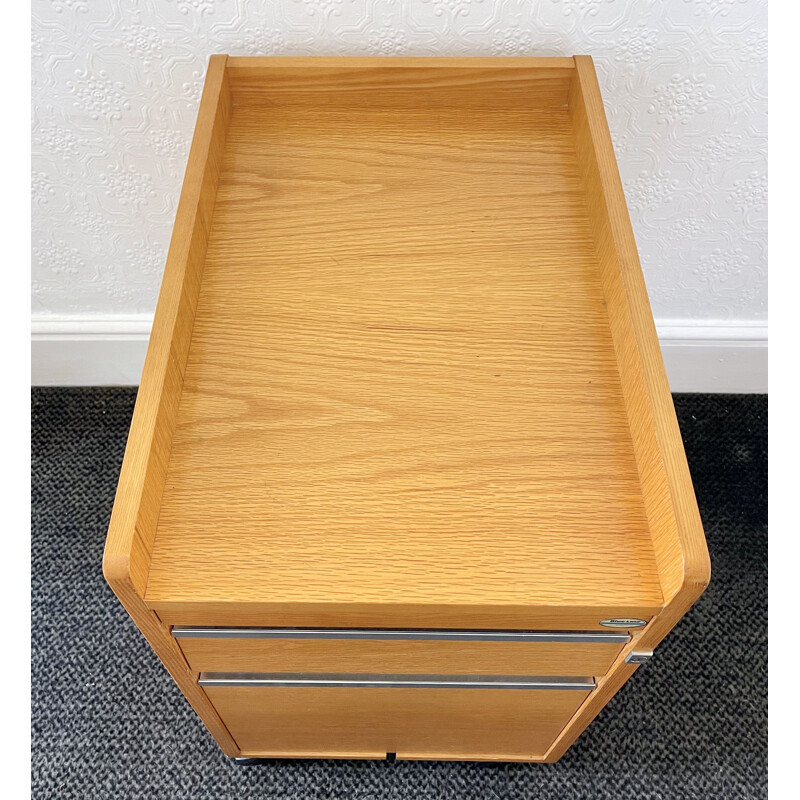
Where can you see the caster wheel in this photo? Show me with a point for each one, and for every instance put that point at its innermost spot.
(246, 762)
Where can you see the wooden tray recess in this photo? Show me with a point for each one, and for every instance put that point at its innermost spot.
(403, 372)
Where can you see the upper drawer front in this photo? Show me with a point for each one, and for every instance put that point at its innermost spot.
(376, 651)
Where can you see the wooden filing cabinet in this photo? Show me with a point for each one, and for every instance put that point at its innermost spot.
(404, 475)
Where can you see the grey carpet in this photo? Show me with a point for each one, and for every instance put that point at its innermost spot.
(109, 723)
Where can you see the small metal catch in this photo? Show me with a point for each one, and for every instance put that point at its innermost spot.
(638, 656)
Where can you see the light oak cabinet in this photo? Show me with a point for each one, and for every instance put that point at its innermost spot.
(403, 474)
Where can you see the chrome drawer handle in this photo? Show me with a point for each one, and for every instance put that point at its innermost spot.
(372, 681)
(389, 634)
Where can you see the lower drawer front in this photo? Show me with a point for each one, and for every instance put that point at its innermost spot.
(560, 654)
(367, 722)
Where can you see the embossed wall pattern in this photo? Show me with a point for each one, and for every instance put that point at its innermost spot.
(116, 85)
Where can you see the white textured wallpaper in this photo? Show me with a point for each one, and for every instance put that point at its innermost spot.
(116, 85)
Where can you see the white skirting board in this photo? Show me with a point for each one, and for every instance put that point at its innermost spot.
(715, 357)
(88, 350)
(700, 356)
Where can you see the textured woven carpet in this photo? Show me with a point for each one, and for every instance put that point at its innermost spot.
(109, 723)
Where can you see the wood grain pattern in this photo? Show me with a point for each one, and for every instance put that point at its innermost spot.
(402, 388)
(393, 615)
(676, 528)
(489, 724)
(132, 527)
(407, 657)
(403, 84)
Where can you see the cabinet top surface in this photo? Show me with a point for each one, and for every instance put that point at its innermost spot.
(401, 385)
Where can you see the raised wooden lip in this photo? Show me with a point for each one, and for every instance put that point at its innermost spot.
(254, 63)
(695, 562)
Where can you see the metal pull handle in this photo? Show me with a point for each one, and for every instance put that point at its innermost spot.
(372, 681)
(389, 634)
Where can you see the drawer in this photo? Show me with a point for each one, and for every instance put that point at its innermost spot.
(403, 651)
(413, 716)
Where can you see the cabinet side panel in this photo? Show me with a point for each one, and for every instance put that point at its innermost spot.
(678, 539)
(166, 648)
(607, 686)
(134, 517)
